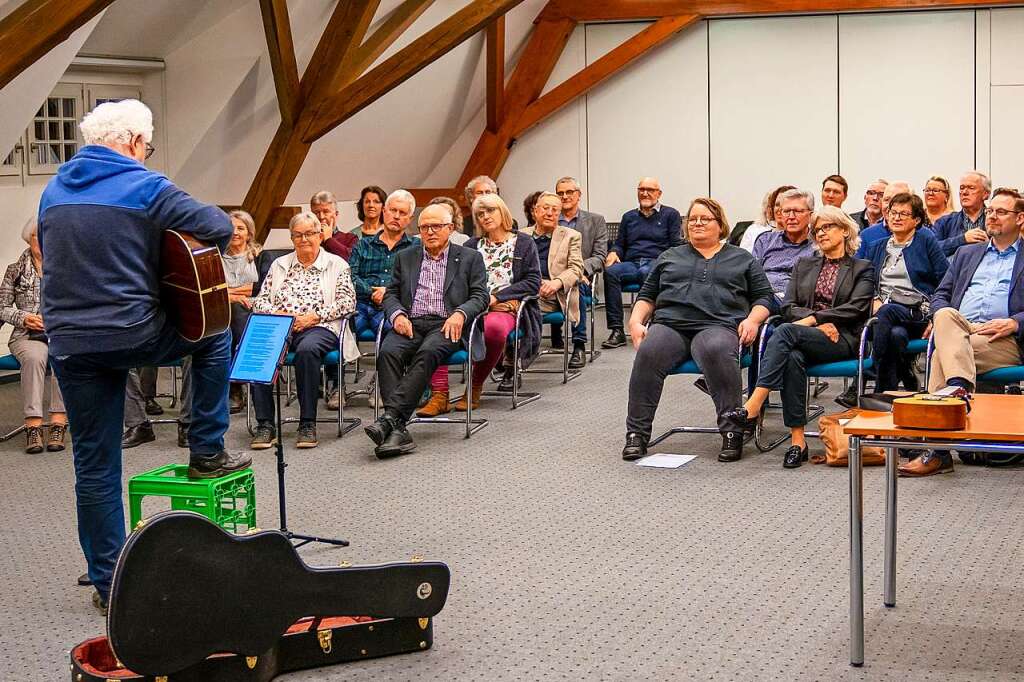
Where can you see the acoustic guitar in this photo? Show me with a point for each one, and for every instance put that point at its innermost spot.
(193, 290)
(184, 589)
(924, 411)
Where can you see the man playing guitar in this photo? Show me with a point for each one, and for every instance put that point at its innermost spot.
(101, 222)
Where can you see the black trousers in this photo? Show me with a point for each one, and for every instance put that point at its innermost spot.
(714, 349)
(787, 355)
(310, 346)
(896, 326)
(405, 365)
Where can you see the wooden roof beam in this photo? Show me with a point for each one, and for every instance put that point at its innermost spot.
(363, 57)
(37, 26)
(495, 73)
(278, 30)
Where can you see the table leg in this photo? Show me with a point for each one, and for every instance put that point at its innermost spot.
(892, 459)
(856, 554)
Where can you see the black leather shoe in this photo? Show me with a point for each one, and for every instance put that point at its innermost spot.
(182, 435)
(380, 429)
(795, 456)
(137, 435)
(84, 580)
(616, 339)
(739, 419)
(578, 359)
(219, 465)
(636, 447)
(848, 398)
(153, 408)
(732, 446)
(505, 385)
(398, 442)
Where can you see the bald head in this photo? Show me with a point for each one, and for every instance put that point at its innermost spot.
(648, 192)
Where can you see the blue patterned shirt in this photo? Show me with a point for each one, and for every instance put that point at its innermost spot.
(372, 263)
(428, 299)
(988, 295)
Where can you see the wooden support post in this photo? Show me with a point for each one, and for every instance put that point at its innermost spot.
(363, 57)
(495, 73)
(277, 28)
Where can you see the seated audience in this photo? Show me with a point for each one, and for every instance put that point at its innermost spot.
(19, 307)
(528, 203)
(373, 260)
(324, 206)
(771, 218)
(559, 249)
(777, 251)
(315, 287)
(834, 190)
(240, 274)
(826, 305)
(434, 296)
(476, 187)
(702, 300)
(594, 247)
(457, 236)
(966, 226)
(370, 211)
(644, 234)
(908, 267)
(513, 273)
(873, 211)
(978, 313)
(880, 230)
(938, 199)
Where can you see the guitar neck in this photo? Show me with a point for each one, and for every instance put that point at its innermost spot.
(390, 591)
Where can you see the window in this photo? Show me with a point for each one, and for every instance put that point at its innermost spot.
(53, 133)
(12, 163)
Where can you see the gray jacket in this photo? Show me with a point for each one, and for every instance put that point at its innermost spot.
(595, 241)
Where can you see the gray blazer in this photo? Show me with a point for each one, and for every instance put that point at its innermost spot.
(595, 241)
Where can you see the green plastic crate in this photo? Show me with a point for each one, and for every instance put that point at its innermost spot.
(228, 501)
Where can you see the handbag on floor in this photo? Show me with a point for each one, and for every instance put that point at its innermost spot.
(837, 443)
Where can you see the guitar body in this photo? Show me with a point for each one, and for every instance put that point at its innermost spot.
(930, 412)
(190, 601)
(193, 290)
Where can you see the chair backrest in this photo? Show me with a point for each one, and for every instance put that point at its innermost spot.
(613, 233)
(263, 263)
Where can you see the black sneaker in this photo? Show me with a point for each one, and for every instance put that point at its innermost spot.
(732, 447)
(137, 435)
(153, 408)
(848, 398)
(307, 435)
(616, 339)
(218, 465)
(636, 447)
(182, 435)
(266, 436)
(578, 359)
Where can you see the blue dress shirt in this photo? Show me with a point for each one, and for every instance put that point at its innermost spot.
(988, 296)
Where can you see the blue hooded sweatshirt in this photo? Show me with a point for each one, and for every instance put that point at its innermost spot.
(101, 221)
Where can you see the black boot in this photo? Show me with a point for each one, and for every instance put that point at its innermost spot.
(380, 429)
(636, 447)
(578, 359)
(616, 339)
(732, 446)
(219, 465)
(398, 442)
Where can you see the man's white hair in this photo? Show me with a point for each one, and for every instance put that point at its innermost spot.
(117, 122)
(29, 229)
(403, 196)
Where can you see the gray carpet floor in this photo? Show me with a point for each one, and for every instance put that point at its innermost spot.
(568, 563)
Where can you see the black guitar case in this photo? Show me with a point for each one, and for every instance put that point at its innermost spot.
(190, 602)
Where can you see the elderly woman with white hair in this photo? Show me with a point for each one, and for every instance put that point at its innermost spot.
(316, 288)
(19, 307)
(826, 305)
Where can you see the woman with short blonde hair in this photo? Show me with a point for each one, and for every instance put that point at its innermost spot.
(938, 198)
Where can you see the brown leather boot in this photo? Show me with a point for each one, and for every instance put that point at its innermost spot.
(436, 406)
(460, 406)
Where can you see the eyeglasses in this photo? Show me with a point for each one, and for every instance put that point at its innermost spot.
(999, 212)
(970, 188)
(935, 190)
(822, 229)
(567, 192)
(647, 190)
(434, 227)
(149, 150)
(793, 211)
(700, 220)
(874, 194)
(300, 236)
(900, 215)
(486, 210)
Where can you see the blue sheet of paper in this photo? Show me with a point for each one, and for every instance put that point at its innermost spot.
(261, 348)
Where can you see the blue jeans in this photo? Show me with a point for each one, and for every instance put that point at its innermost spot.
(93, 385)
(579, 330)
(896, 325)
(623, 272)
(367, 318)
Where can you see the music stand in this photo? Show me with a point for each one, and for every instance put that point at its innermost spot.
(259, 359)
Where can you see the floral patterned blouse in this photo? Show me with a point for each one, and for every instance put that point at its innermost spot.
(19, 294)
(498, 259)
(302, 292)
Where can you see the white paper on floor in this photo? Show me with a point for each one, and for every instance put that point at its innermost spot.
(664, 461)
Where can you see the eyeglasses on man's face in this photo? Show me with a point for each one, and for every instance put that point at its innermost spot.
(434, 227)
(999, 212)
(647, 190)
(567, 192)
(873, 194)
(793, 211)
(302, 236)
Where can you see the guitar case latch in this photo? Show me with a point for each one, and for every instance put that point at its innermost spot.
(324, 637)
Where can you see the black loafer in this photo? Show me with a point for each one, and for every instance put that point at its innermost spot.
(137, 435)
(616, 339)
(636, 447)
(380, 429)
(795, 456)
(578, 359)
(219, 465)
(153, 408)
(848, 398)
(732, 446)
(398, 442)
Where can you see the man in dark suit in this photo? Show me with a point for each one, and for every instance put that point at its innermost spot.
(594, 245)
(978, 313)
(435, 294)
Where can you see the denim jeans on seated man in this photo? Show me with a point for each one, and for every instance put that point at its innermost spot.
(623, 272)
(93, 385)
(367, 318)
(579, 330)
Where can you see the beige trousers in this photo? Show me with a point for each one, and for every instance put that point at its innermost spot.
(960, 352)
(32, 355)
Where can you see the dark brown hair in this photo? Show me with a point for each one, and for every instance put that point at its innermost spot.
(839, 180)
(374, 189)
(916, 206)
